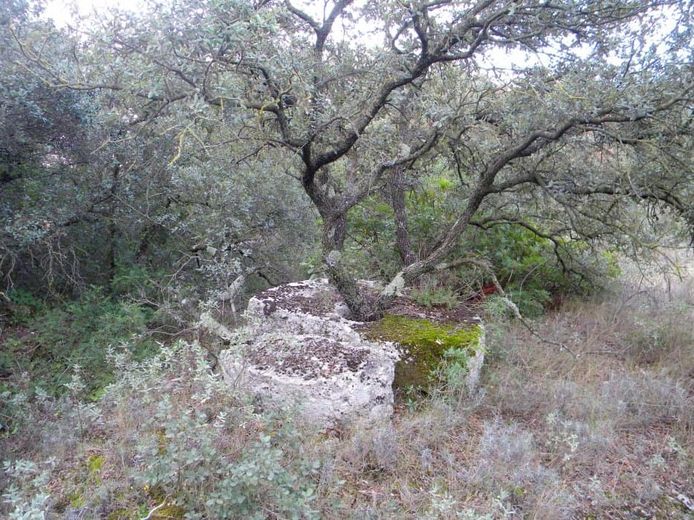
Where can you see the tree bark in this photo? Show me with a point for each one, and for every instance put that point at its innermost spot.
(113, 227)
(334, 229)
(402, 233)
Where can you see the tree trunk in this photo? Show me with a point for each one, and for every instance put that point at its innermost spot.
(360, 306)
(112, 228)
(402, 233)
(435, 258)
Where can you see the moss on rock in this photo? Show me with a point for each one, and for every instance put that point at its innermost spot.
(426, 343)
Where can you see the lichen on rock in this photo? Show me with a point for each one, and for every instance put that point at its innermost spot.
(395, 287)
(303, 352)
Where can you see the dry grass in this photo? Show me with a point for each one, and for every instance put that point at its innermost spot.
(606, 434)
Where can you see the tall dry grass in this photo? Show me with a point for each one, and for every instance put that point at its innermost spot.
(607, 433)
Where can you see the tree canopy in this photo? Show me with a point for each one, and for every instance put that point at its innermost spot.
(231, 126)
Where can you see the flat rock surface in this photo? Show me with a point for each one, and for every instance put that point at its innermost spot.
(307, 357)
(319, 298)
(314, 297)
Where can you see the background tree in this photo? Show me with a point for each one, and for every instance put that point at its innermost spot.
(45, 142)
(95, 192)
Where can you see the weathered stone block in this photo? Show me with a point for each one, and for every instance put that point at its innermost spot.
(304, 351)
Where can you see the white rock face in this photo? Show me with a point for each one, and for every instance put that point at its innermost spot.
(474, 364)
(304, 352)
(332, 382)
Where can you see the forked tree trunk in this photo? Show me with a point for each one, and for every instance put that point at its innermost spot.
(363, 306)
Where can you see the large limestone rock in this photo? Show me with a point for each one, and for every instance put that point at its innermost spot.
(303, 351)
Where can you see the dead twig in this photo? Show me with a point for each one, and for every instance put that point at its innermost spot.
(157, 508)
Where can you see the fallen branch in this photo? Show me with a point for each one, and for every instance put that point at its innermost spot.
(157, 508)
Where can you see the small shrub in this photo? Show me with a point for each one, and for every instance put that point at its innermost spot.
(508, 456)
(169, 431)
(22, 306)
(531, 301)
(632, 400)
(374, 451)
(507, 466)
(26, 495)
(453, 371)
(432, 296)
(132, 280)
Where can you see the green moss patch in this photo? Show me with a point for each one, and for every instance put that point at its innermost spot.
(427, 343)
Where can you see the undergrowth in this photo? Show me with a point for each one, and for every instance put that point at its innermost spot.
(605, 434)
(166, 433)
(51, 338)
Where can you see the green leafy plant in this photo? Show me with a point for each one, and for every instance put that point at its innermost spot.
(203, 475)
(23, 305)
(78, 333)
(454, 368)
(26, 495)
(432, 296)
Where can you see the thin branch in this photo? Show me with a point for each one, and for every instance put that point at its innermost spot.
(157, 508)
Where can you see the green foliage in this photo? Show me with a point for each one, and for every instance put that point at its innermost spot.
(179, 187)
(181, 168)
(371, 253)
(454, 368)
(27, 495)
(432, 296)
(200, 478)
(133, 279)
(497, 309)
(427, 344)
(22, 297)
(24, 304)
(526, 264)
(169, 432)
(531, 300)
(95, 463)
(534, 269)
(77, 333)
(204, 475)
